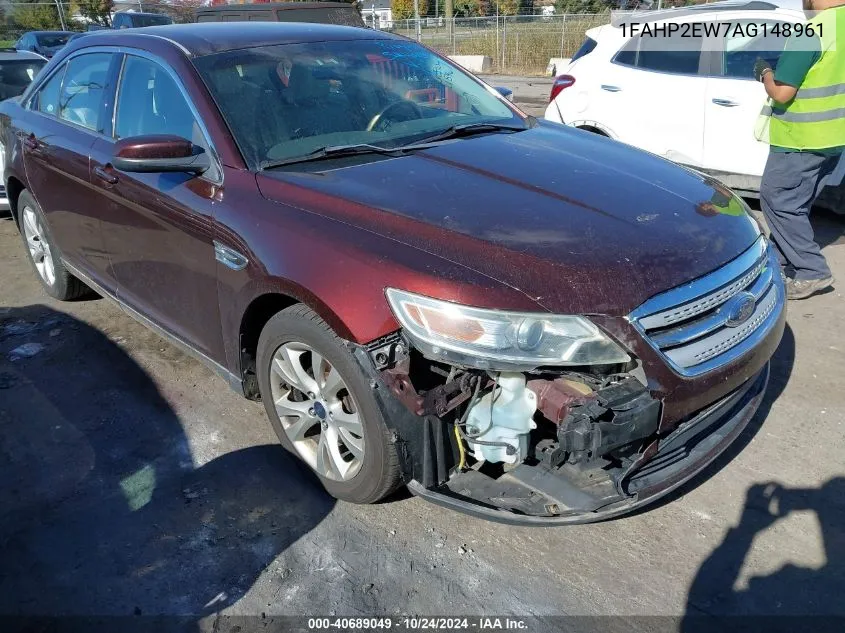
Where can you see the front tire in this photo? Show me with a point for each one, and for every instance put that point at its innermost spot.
(44, 255)
(322, 407)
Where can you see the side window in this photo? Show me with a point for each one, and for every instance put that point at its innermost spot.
(47, 98)
(670, 54)
(83, 89)
(150, 102)
(119, 21)
(745, 42)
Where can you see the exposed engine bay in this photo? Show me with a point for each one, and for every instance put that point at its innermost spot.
(540, 443)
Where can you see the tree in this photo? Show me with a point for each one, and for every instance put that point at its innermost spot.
(467, 8)
(182, 11)
(36, 17)
(583, 6)
(95, 11)
(506, 7)
(404, 9)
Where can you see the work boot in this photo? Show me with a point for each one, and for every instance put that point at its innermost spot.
(804, 288)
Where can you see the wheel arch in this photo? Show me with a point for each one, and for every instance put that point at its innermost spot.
(14, 188)
(594, 130)
(262, 307)
(593, 126)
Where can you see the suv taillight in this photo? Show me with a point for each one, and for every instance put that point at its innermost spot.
(561, 82)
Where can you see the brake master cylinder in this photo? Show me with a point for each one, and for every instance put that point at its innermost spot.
(507, 422)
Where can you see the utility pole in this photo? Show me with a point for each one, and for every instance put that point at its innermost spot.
(61, 15)
(417, 17)
(447, 11)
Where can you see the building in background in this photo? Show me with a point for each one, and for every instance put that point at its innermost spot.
(377, 14)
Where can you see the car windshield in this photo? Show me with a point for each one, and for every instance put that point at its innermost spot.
(291, 100)
(16, 75)
(52, 40)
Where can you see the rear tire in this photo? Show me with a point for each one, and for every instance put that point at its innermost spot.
(44, 255)
(322, 407)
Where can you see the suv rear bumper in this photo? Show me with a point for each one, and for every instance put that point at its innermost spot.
(680, 456)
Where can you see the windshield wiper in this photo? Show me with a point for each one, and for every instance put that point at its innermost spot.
(332, 151)
(468, 129)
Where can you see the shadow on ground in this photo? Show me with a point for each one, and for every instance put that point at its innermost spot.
(829, 227)
(716, 602)
(793, 598)
(102, 510)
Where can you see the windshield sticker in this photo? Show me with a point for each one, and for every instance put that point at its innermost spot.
(443, 73)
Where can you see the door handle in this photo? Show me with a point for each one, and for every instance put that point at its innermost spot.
(107, 174)
(30, 142)
(610, 88)
(727, 103)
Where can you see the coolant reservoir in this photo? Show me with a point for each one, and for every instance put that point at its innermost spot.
(513, 407)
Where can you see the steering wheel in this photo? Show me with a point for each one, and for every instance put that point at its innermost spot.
(382, 121)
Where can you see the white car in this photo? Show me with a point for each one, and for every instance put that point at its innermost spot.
(17, 70)
(691, 100)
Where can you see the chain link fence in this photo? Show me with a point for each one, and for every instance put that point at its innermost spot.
(519, 44)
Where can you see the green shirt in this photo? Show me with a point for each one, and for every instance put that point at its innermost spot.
(798, 56)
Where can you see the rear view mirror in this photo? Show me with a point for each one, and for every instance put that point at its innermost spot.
(159, 153)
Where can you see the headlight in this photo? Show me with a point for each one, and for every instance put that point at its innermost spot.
(493, 339)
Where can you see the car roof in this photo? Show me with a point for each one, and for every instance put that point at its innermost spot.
(145, 14)
(49, 33)
(264, 6)
(626, 17)
(206, 38)
(7, 54)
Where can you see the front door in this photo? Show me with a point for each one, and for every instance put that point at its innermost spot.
(157, 227)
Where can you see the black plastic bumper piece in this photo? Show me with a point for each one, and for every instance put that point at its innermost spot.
(680, 456)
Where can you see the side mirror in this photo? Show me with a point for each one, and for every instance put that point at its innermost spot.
(507, 93)
(159, 153)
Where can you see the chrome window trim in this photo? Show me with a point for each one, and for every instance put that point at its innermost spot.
(36, 91)
(137, 52)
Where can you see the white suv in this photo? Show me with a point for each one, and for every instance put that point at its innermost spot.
(692, 101)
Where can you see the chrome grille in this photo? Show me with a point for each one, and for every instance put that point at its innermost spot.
(708, 322)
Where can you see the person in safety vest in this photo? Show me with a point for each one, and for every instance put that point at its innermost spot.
(807, 135)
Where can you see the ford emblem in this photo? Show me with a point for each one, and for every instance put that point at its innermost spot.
(740, 308)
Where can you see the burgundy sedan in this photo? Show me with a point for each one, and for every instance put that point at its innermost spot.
(422, 284)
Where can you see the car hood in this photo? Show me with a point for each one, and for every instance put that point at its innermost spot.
(578, 222)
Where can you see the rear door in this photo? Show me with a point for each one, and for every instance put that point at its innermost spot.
(650, 95)
(733, 102)
(65, 117)
(663, 83)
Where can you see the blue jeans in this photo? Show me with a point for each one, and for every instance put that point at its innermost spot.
(791, 183)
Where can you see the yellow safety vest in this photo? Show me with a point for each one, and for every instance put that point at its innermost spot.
(815, 118)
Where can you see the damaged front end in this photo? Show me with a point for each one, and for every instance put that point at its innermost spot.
(541, 445)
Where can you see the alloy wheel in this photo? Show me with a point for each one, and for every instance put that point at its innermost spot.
(317, 411)
(39, 248)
